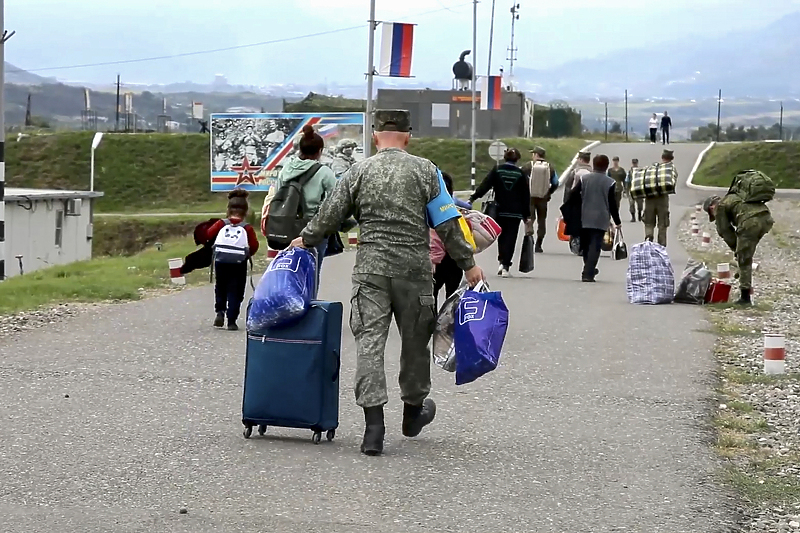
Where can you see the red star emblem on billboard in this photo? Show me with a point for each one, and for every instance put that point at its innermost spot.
(246, 172)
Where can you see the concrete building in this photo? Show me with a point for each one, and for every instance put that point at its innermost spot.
(441, 113)
(47, 227)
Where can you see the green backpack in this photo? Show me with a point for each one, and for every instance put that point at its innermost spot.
(753, 186)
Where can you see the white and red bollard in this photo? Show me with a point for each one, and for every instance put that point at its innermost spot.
(695, 228)
(724, 271)
(352, 238)
(774, 353)
(706, 240)
(698, 209)
(693, 218)
(175, 275)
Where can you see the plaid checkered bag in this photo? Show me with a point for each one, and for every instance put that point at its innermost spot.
(650, 278)
(656, 180)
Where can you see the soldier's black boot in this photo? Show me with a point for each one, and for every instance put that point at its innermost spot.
(538, 249)
(374, 432)
(416, 417)
(745, 299)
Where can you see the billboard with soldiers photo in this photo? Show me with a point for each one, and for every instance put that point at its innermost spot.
(248, 150)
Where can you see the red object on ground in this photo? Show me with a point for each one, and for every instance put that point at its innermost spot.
(561, 228)
(718, 292)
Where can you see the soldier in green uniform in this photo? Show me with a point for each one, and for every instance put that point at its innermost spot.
(656, 210)
(618, 174)
(635, 204)
(743, 218)
(388, 194)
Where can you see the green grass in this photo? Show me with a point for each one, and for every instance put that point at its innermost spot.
(756, 485)
(158, 173)
(780, 161)
(101, 279)
(129, 235)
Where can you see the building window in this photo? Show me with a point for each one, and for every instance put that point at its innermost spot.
(440, 115)
(59, 227)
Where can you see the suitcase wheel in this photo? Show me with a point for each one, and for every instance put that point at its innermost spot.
(248, 430)
(331, 434)
(262, 429)
(317, 437)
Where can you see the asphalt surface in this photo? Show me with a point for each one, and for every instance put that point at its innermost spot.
(596, 420)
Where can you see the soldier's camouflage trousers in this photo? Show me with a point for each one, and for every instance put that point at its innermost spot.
(747, 238)
(656, 213)
(374, 301)
(635, 205)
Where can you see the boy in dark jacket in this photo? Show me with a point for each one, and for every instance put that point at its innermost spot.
(513, 198)
(235, 242)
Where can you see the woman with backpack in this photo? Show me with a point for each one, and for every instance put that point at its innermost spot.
(318, 186)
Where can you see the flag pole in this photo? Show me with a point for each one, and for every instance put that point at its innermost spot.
(474, 82)
(370, 76)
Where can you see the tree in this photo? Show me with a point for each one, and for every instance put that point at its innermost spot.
(615, 128)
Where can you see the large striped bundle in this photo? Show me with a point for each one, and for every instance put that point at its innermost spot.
(656, 180)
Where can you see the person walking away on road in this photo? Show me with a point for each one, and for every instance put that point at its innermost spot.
(512, 194)
(636, 205)
(666, 125)
(653, 128)
(447, 274)
(618, 174)
(319, 187)
(389, 193)
(598, 207)
(582, 166)
(742, 219)
(656, 209)
(543, 182)
(235, 242)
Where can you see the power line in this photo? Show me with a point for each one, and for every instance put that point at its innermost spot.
(224, 49)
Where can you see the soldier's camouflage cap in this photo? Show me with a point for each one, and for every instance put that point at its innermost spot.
(538, 150)
(667, 154)
(392, 120)
(584, 155)
(710, 201)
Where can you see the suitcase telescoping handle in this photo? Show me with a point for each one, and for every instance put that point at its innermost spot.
(338, 366)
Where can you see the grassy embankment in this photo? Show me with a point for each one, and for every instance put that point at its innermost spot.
(153, 174)
(779, 161)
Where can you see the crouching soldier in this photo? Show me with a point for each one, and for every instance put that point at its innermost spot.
(743, 218)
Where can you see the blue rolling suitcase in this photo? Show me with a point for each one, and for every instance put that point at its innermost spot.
(291, 375)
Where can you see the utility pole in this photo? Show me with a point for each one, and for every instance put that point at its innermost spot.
(370, 76)
(511, 50)
(780, 126)
(626, 115)
(491, 42)
(606, 134)
(116, 127)
(719, 111)
(5, 37)
(474, 92)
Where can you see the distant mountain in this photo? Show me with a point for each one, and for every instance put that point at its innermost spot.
(757, 63)
(23, 77)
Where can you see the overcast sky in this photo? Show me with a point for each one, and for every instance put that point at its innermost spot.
(58, 33)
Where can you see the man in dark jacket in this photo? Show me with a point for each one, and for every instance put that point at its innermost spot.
(598, 207)
(512, 195)
(666, 125)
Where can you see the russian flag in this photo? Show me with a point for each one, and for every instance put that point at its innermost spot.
(396, 45)
(328, 131)
(491, 96)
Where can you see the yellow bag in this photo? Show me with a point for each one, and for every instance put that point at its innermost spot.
(467, 231)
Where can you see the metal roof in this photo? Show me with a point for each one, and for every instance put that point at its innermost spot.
(13, 194)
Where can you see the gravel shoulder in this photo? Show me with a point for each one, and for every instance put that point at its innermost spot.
(758, 416)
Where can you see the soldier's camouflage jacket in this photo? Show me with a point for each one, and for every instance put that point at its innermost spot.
(736, 218)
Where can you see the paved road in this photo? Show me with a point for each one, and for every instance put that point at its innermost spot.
(596, 421)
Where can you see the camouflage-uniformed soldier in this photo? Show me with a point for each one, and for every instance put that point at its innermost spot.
(343, 159)
(656, 210)
(582, 166)
(635, 204)
(741, 224)
(388, 194)
(618, 174)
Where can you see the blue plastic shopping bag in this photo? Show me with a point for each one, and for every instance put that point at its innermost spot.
(285, 291)
(480, 329)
